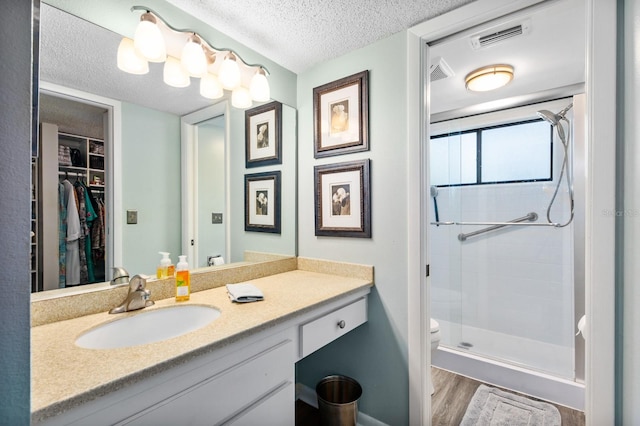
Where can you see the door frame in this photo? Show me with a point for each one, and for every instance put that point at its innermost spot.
(189, 176)
(600, 87)
(113, 166)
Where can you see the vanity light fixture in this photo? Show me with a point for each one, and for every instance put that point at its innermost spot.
(240, 97)
(489, 78)
(210, 87)
(193, 57)
(173, 74)
(259, 87)
(186, 54)
(229, 72)
(130, 60)
(148, 39)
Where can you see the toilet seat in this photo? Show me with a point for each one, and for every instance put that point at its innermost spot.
(435, 327)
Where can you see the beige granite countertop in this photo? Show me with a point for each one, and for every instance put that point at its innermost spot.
(65, 375)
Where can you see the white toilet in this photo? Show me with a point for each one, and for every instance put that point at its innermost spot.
(435, 341)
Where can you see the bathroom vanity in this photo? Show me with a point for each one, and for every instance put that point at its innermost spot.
(238, 369)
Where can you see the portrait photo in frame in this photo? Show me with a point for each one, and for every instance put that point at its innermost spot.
(343, 199)
(262, 202)
(263, 135)
(341, 116)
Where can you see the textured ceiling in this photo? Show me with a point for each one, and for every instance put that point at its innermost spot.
(298, 34)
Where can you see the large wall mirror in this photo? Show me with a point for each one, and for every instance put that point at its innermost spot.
(141, 120)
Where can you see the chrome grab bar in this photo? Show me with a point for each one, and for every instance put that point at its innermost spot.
(497, 225)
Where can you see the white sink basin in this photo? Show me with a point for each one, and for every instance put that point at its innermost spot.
(148, 327)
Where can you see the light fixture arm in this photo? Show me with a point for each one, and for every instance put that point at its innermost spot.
(205, 43)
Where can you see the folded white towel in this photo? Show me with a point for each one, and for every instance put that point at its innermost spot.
(244, 292)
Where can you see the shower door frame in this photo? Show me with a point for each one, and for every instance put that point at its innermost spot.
(600, 87)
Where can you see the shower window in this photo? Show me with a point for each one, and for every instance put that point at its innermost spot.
(516, 152)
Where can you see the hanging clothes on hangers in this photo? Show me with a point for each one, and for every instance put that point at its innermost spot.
(72, 258)
(62, 237)
(87, 216)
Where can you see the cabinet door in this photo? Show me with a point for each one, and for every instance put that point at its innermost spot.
(225, 394)
(278, 409)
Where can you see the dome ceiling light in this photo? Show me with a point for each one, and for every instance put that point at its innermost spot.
(487, 78)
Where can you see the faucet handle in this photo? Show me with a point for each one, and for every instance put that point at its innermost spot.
(138, 282)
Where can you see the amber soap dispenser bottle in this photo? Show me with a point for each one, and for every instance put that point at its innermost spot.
(183, 280)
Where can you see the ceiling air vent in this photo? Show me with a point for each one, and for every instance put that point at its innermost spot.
(494, 36)
(439, 70)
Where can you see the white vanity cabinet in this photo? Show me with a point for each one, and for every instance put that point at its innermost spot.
(216, 388)
(246, 382)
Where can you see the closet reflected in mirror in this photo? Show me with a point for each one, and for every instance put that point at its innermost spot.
(70, 185)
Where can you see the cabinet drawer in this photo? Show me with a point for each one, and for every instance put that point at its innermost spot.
(319, 332)
(225, 394)
(277, 409)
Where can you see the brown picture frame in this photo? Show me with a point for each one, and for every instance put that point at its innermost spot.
(262, 193)
(343, 199)
(341, 116)
(263, 135)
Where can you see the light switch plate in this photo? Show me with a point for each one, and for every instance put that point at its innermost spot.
(216, 217)
(132, 217)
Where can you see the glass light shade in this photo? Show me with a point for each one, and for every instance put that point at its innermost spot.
(489, 78)
(229, 74)
(240, 97)
(210, 87)
(129, 60)
(173, 73)
(149, 42)
(193, 58)
(259, 88)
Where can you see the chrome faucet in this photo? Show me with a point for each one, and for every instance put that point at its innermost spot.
(120, 276)
(137, 298)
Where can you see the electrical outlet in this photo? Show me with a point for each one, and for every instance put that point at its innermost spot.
(132, 217)
(216, 217)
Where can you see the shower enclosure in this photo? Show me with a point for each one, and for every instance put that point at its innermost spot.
(505, 244)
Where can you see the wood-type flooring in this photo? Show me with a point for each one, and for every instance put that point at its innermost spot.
(454, 392)
(448, 404)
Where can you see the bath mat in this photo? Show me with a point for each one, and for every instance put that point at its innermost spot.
(494, 407)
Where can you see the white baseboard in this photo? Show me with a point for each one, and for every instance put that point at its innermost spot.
(308, 396)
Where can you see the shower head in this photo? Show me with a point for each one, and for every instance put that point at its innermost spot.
(548, 116)
(554, 119)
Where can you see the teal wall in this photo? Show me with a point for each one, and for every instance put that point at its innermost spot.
(211, 196)
(375, 354)
(15, 223)
(285, 242)
(151, 185)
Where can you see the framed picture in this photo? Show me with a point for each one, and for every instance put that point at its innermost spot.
(341, 116)
(262, 202)
(343, 199)
(263, 135)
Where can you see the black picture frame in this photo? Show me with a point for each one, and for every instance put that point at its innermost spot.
(343, 199)
(341, 116)
(263, 135)
(262, 216)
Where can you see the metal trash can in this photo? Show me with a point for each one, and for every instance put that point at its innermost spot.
(338, 400)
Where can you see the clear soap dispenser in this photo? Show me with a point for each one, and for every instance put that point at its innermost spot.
(165, 269)
(183, 280)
